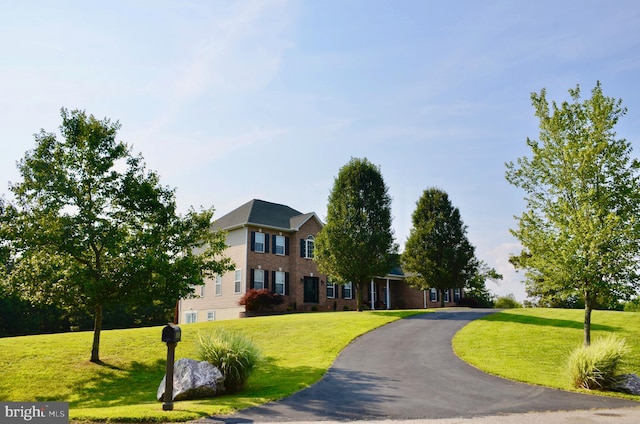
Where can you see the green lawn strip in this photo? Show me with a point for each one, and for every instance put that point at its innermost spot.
(532, 345)
(298, 349)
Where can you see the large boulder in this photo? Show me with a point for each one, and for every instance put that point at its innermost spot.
(626, 383)
(194, 380)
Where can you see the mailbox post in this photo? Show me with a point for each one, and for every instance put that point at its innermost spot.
(171, 335)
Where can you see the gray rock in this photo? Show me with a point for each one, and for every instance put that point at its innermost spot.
(193, 380)
(626, 383)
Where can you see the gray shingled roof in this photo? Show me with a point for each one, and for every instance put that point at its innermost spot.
(259, 212)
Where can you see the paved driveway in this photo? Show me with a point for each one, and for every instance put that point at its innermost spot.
(406, 371)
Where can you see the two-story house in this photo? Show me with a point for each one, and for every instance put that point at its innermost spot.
(272, 246)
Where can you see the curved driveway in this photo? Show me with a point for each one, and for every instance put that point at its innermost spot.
(407, 370)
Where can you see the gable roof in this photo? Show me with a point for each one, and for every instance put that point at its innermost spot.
(263, 214)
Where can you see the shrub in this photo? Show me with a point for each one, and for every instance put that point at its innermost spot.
(633, 306)
(258, 300)
(233, 354)
(595, 366)
(507, 302)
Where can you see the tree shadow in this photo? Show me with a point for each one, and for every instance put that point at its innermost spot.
(547, 322)
(341, 395)
(135, 383)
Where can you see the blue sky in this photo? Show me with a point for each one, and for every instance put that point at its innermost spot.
(234, 100)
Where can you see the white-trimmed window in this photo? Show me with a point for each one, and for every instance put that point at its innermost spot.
(191, 317)
(259, 243)
(211, 315)
(279, 282)
(307, 247)
(331, 290)
(446, 295)
(347, 291)
(456, 295)
(218, 285)
(258, 279)
(279, 248)
(201, 289)
(237, 278)
(433, 295)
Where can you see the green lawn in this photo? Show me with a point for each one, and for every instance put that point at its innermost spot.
(297, 350)
(532, 345)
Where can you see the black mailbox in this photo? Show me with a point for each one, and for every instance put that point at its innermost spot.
(171, 333)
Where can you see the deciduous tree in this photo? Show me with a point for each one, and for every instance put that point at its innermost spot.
(438, 253)
(580, 233)
(92, 227)
(356, 244)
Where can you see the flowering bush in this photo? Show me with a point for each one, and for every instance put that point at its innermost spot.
(258, 300)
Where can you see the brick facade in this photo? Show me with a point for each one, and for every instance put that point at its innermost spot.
(261, 262)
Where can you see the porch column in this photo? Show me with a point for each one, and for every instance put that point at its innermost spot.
(424, 293)
(373, 303)
(388, 299)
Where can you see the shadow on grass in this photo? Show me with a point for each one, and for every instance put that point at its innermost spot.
(138, 384)
(547, 322)
(116, 386)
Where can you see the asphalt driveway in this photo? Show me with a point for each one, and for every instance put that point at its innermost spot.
(407, 371)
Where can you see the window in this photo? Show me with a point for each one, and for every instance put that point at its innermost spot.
(446, 295)
(279, 243)
(433, 295)
(307, 247)
(218, 285)
(191, 317)
(331, 290)
(279, 282)
(197, 291)
(456, 295)
(211, 316)
(346, 291)
(258, 279)
(258, 244)
(238, 281)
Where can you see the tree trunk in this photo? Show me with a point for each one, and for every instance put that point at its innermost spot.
(442, 298)
(588, 307)
(359, 290)
(97, 327)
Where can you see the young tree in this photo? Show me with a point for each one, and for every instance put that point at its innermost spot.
(356, 244)
(476, 288)
(437, 253)
(580, 232)
(91, 227)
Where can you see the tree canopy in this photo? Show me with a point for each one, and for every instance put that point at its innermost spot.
(438, 253)
(580, 231)
(356, 243)
(91, 227)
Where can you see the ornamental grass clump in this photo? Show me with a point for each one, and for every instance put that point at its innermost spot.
(595, 366)
(235, 356)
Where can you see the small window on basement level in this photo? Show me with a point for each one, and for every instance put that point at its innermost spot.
(191, 317)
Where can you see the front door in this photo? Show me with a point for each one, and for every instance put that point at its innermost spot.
(311, 289)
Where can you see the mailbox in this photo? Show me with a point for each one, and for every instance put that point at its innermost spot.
(171, 333)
